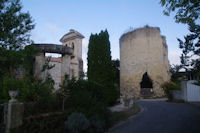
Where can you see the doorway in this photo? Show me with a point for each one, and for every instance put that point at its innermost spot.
(146, 86)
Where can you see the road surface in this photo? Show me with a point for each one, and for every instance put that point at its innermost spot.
(158, 116)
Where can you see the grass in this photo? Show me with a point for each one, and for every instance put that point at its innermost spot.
(124, 115)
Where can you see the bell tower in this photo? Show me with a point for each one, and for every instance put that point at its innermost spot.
(73, 39)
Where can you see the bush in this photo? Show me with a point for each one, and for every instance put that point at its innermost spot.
(87, 98)
(30, 89)
(110, 94)
(77, 123)
(35, 108)
(169, 87)
(97, 125)
(44, 124)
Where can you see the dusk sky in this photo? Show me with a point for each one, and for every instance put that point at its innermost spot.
(54, 18)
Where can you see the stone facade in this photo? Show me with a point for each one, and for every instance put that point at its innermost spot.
(55, 72)
(143, 50)
(70, 63)
(73, 39)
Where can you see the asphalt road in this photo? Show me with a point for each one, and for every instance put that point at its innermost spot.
(162, 117)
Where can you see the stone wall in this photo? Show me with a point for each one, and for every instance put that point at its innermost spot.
(55, 72)
(143, 50)
(70, 63)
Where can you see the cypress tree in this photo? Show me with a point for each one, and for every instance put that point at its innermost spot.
(100, 64)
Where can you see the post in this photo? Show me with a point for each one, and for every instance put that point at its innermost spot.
(15, 114)
(184, 89)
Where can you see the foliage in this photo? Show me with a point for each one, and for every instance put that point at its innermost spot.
(12, 60)
(15, 25)
(36, 108)
(116, 67)
(175, 75)
(28, 58)
(116, 74)
(30, 89)
(43, 124)
(97, 125)
(87, 97)
(46, 65)
(190, 47)
(168, 87)
(77, 123)
(187, 10)
(63, 91)
(100, 65)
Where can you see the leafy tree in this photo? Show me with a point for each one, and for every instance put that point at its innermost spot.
(190, 46)
(30, 89)
(187, 12)
(15, 25)
(12, 60)
(99, 58)
(115, 66)
(169, 87)
(100, 65)
(175, 75)
(116, 74)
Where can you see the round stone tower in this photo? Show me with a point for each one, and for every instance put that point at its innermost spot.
(143, 58)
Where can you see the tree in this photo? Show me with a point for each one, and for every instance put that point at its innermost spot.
(187, 12)
(116, 71)
(175, 75)
(190, 46)
(100, 65)
(99, 58)
(15, 26)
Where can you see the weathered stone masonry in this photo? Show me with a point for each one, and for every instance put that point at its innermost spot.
(70, 63)
(143, 50)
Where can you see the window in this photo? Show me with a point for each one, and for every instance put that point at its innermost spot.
(72, 45)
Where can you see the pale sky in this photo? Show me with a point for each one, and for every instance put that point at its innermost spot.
(54, 18)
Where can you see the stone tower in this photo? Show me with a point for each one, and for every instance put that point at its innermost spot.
(143, 52)
(73, 39)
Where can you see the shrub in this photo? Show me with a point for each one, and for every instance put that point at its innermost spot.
(30, 89)
(9, 84)
(44, 124)
(77, 122)
(97, 125)
(110, 94)
(87, 98)
(168, 87)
